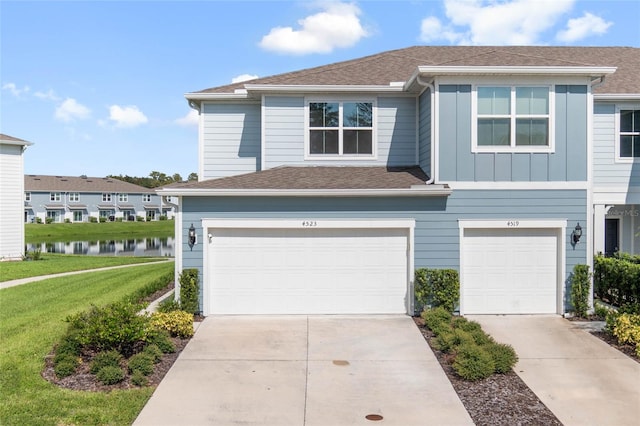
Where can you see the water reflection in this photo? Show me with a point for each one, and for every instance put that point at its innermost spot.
(130, 247)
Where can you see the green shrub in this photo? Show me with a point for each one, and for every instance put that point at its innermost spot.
(472, 362)
(70, 344)
(169, 304)
(48, 220)
(150, 288)
(449, 341)
(65, 367)
(465, 324)
(163, 217)
(35, 254)
(154, 352)
(141, 362)
(480, 337)
(580, 285)
(102, 219)
(177, 323)
(93, 219)
(110, 375)
(139, 379)
(504, 357)
(627, 329)
(189, 290)
(436, 317)
(116, 326)
(437, 287)
(617, 279)
(110, 358)
(161, 339)
(38, 220)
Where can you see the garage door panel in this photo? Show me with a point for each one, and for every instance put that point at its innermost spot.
(280, 271)
(509, 271)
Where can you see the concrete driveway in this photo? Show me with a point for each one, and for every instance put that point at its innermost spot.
(581, 379)
(305, 370)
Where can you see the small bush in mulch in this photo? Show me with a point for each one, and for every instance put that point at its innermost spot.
(473, 362)
(110, 375)
(110, 358)
(140, 362)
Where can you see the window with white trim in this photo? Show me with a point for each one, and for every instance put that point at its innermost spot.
(629, 134)
(106, 197)
(123, 198)
(146, 198)
(512, 118)
(74, 196)
(27, 196)
(55, 196)
(340, 129)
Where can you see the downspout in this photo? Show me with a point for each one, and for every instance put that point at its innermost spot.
(598, 83)
(430, 86)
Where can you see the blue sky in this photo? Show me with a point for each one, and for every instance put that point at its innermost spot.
(98, 87)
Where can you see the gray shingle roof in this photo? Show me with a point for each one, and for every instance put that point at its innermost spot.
(13, 140)
(317, 178)
(81, 184)
(398, 65)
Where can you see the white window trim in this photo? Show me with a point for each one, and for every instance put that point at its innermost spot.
(332, 157)
(27, 196)
(55, 197)
(106, 197)
(146, 198)
(616, 141)
(123, 198)
(74, 197)
(475, 148)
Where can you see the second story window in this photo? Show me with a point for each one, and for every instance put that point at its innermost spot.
(123, 198)
(629, 134)
(74, 196)
(27, 196)
(106, 197)
(55, 196)
(146, 198)
(340, 129)
(512, 118)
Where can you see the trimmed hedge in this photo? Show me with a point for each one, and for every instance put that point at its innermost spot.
(437, 287)
(617, 279)
(580, 286)
(189, 291)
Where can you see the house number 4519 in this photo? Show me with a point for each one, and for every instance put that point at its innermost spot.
(513, 223)
(309, 223)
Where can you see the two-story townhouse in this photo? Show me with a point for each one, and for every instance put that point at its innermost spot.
(11, 190)
(77, 199)
(322, 190)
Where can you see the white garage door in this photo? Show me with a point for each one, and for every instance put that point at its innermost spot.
(307, 271)
(509, 271)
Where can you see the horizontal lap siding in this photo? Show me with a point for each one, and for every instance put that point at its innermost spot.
(568, 162)
(285, 133)
(605, 169)
(231, 140)
(12, 206)
(436, 232)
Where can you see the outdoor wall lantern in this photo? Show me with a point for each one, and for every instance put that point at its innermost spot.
(192, 237)
(576, 234)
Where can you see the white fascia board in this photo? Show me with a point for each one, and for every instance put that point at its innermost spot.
(215, 96)
(18, 143)
(616, 96)
(515, 70)
(315, 88)
(430, 191)
(547, 185)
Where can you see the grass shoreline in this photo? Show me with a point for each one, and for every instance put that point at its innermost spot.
(66, 232)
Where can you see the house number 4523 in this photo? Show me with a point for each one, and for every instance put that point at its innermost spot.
(309, 223)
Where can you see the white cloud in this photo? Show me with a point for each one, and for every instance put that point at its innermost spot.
(243, 77)
(489, 22)
(48, 95)
(128, 116)
(338, 25)
(581, 28)
(71, 110)
(15, 90)
(191, 119)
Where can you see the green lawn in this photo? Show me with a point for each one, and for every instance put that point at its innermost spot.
(32, 320)
(57, 263)
(54, 232)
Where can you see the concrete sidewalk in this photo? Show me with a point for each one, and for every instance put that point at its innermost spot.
(13, 283)
(580, 378)
(305, 370)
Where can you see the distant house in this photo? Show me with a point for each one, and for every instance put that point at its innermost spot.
(321, 190)
(11, 190)
(78, 199)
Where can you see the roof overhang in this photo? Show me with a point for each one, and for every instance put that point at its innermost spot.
(15, 142)
(414, 191)
(617, 96)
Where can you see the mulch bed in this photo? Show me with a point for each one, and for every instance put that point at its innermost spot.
(497, 400)
(628, 350)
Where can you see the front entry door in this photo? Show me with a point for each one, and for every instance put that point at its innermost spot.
(611, 236)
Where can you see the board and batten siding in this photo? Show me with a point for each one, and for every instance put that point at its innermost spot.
(606, 171)
(231, 140)
(568, 161)
(284, 133)
(424, 131)
(12, 205)
(437, 238)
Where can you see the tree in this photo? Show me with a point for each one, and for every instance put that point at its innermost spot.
(192, 177)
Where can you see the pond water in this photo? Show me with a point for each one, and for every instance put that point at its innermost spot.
(162, 247)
